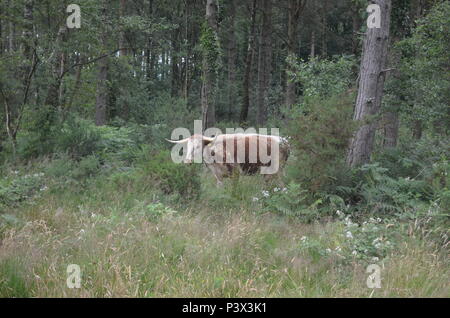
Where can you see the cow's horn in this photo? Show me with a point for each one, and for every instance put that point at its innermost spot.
(209, 139)
(178, 141)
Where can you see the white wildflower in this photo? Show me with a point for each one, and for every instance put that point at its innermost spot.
(354, 253)
(375, 259)
(43, 188)
(303, 239)
(284, 189)
(349, 235)
(276, 189)
(338, 249)
(339, 213)
(265, 193)
(255, 199)
(328, 250)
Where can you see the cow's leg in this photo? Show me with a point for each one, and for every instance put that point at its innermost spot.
(217, 172)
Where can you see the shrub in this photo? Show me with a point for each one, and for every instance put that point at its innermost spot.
(87, 167)
(289, 201)
(320, 134)
(171, 177)
(20, 188)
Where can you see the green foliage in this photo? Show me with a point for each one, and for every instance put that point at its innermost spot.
(290, 201)
(423, 87)
(320, 135)
(20, 188)
(157, 210)
(210, 47)
(324, 78)
(383, 194)
(170, 177)
(370, 241)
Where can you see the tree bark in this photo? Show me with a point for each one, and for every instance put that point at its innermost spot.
(265, 62)
(371, 84)
(209, 78)
(312, 53)
(324, 27)
(232, 61)
(52, 98)
(122, 36)
(295, 7)
(101, 102)
(248, 66)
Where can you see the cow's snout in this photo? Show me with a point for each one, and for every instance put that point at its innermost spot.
(187, 161)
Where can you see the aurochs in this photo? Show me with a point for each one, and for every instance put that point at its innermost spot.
(244, 153)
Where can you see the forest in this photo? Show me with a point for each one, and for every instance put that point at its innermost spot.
(92, 204)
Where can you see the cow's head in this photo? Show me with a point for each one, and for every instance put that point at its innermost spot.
(193, 146)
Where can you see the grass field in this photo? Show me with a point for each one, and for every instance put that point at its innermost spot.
(130, 240)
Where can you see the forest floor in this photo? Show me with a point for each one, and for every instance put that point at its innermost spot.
(131, 241)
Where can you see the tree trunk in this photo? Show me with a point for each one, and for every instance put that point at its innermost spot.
(209, 76)
(390, 129)
(313, 44)
(174, 63)
(371, 84)
(356, 24)
(122, 39)
(324, 27)
(295, 8)
(102, 93)
(101, 101)
(232, 61)
(248, 66)
(265, 62)
(53, 90)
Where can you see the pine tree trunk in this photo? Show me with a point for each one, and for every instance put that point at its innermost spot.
(101, 101)
(248, 66)
(294, 10)
(53, 90)
(232, 61)
(371, 84)
(209, 78)
(122, 42)
(265, 62)
(324, 27)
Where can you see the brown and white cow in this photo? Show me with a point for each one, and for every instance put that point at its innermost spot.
(242, 153)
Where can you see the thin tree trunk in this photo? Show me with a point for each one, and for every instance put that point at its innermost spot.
(232, 61)
(390, 129)
(324, 27)
(248, 66)
(209, 78)
(174, 63)
(52, 98)
(295, 8)
(122, 13)
(101, 101)
(265, 62)
(356, 23)
(313, 44)
(371, 84)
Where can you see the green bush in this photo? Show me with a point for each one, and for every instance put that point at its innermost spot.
(87, 167)
(171, 177)
(320, 134)
(20, 188)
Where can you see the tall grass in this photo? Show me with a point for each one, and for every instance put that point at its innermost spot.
(133, 241)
